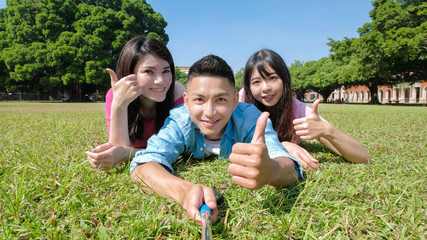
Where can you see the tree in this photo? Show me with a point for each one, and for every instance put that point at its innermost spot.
(298, 83)
(65, 45)
(238, 77)
(180, 76)
(326, 78)
(3, 43)
(390, 50)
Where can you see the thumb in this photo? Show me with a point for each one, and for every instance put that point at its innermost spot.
(259, 135)
(315, 106)
(113, 76)
(102, 147)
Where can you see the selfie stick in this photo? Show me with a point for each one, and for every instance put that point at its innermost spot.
(205, 213)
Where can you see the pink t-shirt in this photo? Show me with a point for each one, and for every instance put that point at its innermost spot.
(149, 125)
(300, 109)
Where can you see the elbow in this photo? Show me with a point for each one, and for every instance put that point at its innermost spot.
(366, 158)
(135, 175)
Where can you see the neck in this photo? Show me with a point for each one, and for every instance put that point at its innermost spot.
(148, 108)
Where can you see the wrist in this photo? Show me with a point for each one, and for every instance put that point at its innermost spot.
(182, 191)
(285, 173)
(128, 154)
(329, 131)
(275, 174)
(118, 106)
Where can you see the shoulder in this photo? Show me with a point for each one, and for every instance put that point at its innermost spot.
(245, 114)
(109, 98)
(242, 95)
(109, 95)
(300, 109)
(180, 115)
(178, 90)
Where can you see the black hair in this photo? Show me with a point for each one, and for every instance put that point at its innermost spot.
(282, 113)
(211, 65)
(134, 50)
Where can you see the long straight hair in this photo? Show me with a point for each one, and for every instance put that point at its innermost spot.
(282, 113)
(134, 50)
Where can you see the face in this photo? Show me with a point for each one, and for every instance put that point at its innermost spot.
(211, 102)
(154, 77)
(269, 90)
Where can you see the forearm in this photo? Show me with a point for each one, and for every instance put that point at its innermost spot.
(153, 177)
(119, 133)
(285, 172)
(347, 147)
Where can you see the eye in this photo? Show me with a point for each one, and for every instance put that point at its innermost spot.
(274, 77)
(149, 71)
(221, 100)
(166, 71)
(255, 82)
(198, 100)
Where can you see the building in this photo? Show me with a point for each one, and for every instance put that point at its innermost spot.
(403, 93)
(183, 69)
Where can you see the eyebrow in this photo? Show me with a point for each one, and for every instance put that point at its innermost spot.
(151, 67)
(222, 94)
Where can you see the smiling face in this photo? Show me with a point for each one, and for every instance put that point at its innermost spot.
(267, 90)
(211, 101)
(154, 76)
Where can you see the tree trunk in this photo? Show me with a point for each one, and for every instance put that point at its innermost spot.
(300, 94)
(325, 92)
(373, 89)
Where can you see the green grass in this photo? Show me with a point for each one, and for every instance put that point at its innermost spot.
(48, 190)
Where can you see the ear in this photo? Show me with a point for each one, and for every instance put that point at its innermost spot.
(185, 96)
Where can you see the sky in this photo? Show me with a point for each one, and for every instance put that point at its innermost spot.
(235, 29)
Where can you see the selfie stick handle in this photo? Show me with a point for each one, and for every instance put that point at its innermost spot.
(205, 213)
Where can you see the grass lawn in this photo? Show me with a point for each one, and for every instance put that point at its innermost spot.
(48, 190)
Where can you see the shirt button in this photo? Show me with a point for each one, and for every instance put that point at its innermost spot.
(201, 149)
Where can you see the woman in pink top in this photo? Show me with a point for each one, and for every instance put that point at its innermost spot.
(267, 84)
(143, 91)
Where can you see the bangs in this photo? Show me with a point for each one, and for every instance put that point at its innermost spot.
(262, 68)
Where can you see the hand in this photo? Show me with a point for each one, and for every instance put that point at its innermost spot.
(312, 126)
(194, 199)
(251, 166)
(107, 156)
(302, 155)
(126, 90)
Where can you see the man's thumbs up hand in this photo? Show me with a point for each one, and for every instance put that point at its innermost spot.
(259, 135)
(250, 165)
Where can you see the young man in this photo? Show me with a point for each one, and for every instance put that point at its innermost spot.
(212, 121)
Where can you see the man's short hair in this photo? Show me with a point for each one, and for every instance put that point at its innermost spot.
(213, 66)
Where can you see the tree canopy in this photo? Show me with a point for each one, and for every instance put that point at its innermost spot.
(64, 45)
(390, 50)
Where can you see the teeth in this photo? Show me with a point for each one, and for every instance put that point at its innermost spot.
(157, 89)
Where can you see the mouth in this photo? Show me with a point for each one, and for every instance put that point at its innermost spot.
(210, 123)
(268, 97)
(158, 90)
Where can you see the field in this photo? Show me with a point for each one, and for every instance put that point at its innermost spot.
(48, 190)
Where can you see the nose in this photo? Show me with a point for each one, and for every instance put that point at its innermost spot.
(209, 109)
(266, 86)
(158, 79)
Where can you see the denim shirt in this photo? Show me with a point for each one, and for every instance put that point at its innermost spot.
(180, 136)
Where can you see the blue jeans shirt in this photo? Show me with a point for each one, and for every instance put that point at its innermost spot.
(180, 136)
